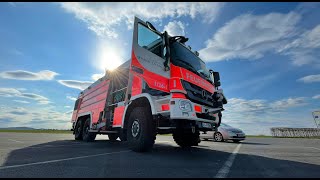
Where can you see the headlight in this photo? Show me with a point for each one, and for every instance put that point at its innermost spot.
(185, 106)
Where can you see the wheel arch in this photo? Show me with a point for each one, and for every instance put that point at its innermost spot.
(84, 116)
(142, 100)
(225, 135)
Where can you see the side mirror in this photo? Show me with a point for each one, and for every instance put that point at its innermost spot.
(150, 26)
(216, 78)
(166, 63)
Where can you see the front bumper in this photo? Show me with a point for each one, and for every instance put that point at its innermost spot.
(177, 113)
(236, 136)
(174, 112)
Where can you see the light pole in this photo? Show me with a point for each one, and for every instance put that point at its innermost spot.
(316, 117)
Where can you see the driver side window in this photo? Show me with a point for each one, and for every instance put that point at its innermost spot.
(149, 40)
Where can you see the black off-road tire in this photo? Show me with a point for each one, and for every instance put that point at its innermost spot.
(185, 138)
(141, 130)
(123, 135)
(113, 137)
(86, 135)
(78, 130)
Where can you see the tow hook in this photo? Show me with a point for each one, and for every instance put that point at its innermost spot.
(193, 129)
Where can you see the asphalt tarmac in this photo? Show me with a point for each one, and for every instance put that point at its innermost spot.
(59, 155)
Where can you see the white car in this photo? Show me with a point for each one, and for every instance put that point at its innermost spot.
(225, 132)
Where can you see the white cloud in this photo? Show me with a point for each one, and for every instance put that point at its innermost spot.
(96, 76)
(20, 101)
(40, 117)
(27, 75)
(175, 28)
(67, 106)
(239, 105)
(9, 92)
(18, 111)
(250, 36)
(36, 97)
(103, 18)
(310, 78)
(259, 106)
(21, 89)
(309, 39)
(288, 103)
(12, 4)
(316, 96)
(107, 19)
(71, 98)
(12, 92)
(304, 49)
(75, 84)
(257, 116)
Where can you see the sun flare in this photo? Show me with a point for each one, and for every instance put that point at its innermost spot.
(109, 58)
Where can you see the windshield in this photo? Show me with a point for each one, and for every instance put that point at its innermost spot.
(224, 125)
(183, 57)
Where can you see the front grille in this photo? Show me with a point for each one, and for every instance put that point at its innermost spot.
(238, 136)
(236, 131)
(194, 93)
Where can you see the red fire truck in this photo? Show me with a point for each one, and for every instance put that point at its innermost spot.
(165, 88)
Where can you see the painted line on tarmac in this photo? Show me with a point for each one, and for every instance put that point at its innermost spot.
(224, 171)
(313, 148)
(15, 140)
(41, 146)
(169, 142)
(59, 160)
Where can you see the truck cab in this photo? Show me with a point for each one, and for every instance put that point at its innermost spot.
(163, 88)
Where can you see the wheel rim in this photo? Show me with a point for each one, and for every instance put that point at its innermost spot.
(78, 129)
(135, 129)
(218, 137)
(87, 130)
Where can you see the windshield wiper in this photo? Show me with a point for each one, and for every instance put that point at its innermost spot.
(190, 67)
(206, 76)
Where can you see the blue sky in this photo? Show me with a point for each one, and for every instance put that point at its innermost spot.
(267, 55)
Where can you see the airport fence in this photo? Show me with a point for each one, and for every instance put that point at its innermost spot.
(295, 132)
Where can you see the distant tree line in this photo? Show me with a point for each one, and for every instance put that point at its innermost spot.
(295, 132)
